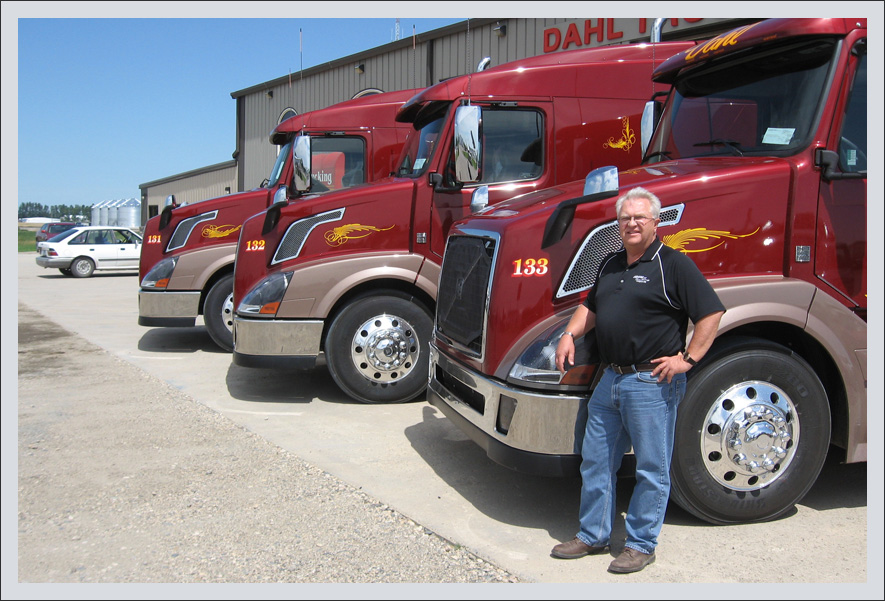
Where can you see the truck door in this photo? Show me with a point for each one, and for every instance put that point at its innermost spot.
(515, 160)
(841, 249)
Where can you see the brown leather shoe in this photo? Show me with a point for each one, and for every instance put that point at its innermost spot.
(576, 548)
(630, 560)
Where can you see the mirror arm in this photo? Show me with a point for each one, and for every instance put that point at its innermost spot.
(827, 161)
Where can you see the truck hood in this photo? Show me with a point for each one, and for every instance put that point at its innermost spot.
(368, 207)
(659, 178)
(229, 207)
(369, 192)
(185, 211)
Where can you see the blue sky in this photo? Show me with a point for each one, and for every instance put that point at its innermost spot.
(106, 104)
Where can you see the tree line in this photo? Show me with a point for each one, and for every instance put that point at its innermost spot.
(62, 212)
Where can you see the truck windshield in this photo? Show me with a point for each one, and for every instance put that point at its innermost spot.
(420, 145)
(763, 102)
(277, 172)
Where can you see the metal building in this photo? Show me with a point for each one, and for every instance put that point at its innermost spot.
(409, 62)
(190, 186)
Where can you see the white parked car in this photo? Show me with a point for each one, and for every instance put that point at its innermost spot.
(80, 251)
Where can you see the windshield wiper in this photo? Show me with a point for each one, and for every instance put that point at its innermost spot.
(732, 145)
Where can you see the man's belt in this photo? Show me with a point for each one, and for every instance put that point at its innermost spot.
(632, 369)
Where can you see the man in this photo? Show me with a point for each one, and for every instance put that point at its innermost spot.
(644, 295)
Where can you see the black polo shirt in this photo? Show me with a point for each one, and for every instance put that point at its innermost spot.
(642, 310)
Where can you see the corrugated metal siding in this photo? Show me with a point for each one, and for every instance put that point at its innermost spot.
(257, 154)
(190, 188)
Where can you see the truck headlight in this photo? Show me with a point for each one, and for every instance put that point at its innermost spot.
(265, 298)
(158, 276)
(537, 365)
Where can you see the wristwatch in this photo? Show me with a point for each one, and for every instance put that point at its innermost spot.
(567, 332)
(687, 358)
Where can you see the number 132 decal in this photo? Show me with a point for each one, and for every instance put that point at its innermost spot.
(530, 267)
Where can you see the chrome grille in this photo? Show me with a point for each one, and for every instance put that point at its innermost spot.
(581, 274)
(293, 240)
(463, 290)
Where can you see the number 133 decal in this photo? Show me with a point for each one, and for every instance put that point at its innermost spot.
(530, 267)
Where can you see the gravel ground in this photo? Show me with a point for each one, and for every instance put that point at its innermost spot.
(124, 479)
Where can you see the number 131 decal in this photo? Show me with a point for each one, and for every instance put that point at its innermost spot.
(529, 267)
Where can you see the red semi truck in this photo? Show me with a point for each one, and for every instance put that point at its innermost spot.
(353, 275)
(759, 159)
(187, 261)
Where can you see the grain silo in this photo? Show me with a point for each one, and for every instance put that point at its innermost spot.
(129, 213)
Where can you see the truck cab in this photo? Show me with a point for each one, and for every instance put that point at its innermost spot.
(759, 160)
(353, 275)
(187, 261)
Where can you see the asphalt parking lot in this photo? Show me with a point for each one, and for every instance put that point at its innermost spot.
(410, 459)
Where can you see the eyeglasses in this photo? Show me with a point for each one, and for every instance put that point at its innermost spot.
(639, 219)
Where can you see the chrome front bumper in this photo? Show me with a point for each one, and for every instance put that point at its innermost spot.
(526, 431)
(168, 309)
(276, 342)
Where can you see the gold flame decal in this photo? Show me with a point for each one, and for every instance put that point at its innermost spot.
(351, 231)
(220, 231)
(628, 138)
(680, 240)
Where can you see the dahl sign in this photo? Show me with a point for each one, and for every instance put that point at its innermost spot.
(570, 35)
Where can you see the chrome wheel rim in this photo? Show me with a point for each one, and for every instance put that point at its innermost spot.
(385, 349)
(227, 312)
(750, 436)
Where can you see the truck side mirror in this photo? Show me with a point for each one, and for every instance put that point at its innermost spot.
(828, 162)
(468, 144)
(599, 184)
(651, 114)
(166, 213)
(301, 163)
(480, 199)
(281, 196)
(272, 216)
(602, 179)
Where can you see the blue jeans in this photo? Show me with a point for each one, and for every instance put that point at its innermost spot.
(623, 410)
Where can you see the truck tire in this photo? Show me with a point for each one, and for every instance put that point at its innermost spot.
(82, 267)
(218, 312)
(377, 348)
(752, 434)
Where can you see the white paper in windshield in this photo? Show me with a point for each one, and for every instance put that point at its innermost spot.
(778, 135)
